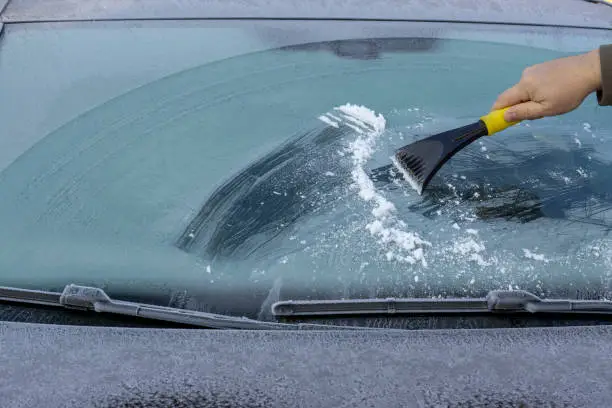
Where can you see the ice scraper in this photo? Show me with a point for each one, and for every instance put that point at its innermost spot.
(421, 160)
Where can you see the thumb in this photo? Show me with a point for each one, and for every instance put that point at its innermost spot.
(524, 111)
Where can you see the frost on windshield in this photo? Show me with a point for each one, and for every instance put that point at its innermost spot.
(303, 177)
(328, 200)
(270, 174)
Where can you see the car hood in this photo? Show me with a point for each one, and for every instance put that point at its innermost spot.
(64, 366)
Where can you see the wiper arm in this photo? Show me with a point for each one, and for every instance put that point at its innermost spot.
(498, 301)
(85, 298)
(96, 300)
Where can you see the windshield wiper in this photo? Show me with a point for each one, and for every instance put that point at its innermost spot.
(85, 298)
(498, 301)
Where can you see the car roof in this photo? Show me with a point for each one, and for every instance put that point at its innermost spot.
(577, 13)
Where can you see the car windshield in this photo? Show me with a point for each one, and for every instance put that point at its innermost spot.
(230, 164)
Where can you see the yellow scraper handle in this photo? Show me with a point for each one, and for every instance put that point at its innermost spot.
(495, 121)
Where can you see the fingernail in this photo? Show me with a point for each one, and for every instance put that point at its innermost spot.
(510, 116)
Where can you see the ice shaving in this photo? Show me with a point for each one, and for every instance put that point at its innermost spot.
(390, 232)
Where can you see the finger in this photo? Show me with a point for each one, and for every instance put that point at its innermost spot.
(511, 96)
(524, 111)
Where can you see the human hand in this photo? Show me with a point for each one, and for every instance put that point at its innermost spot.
(552, 88)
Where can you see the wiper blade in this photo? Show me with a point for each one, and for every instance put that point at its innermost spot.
(85, 298)
(497, 301)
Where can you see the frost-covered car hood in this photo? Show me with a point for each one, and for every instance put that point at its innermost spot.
(59, 366)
